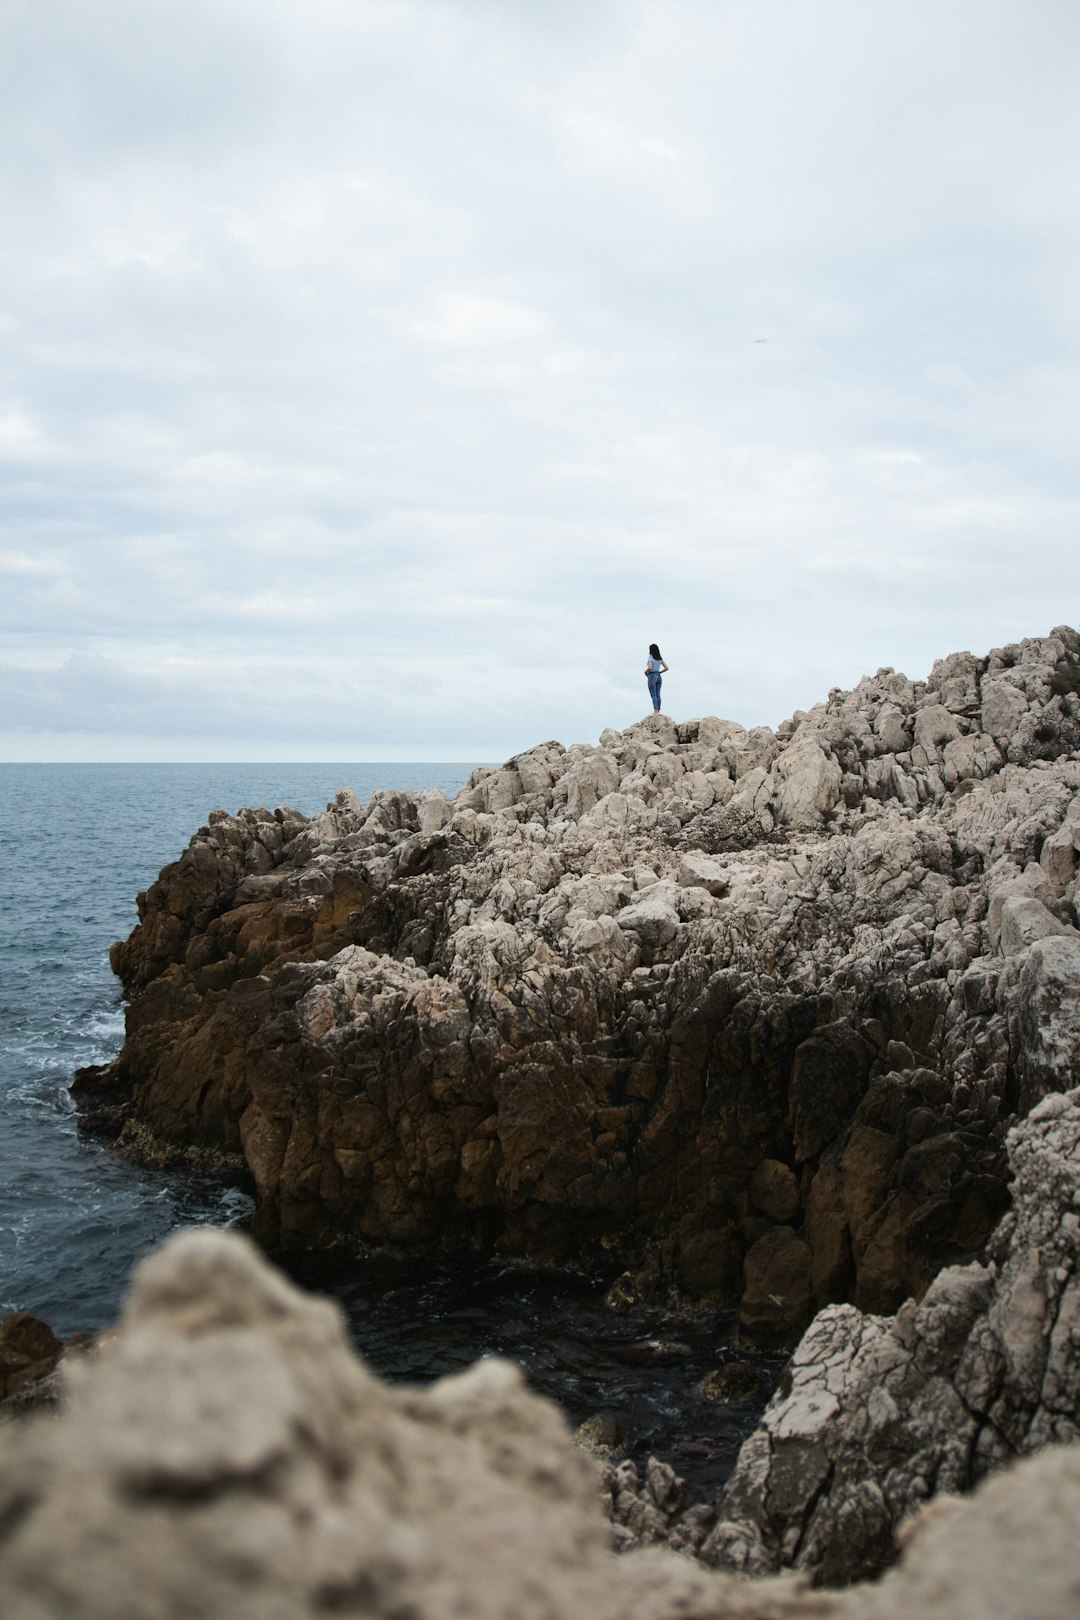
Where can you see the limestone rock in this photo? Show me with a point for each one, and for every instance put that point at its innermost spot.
(809, 784)
(571, 1013)
(702, 872)
(653, 919)
(1046, 1016)
(1003, 706)
(876, 1414)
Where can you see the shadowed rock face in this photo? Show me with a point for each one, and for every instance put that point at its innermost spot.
(589, 1000)
(224, 1456)
(877, 1414)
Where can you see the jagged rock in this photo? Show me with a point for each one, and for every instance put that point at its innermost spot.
(226, 1457)
(577, 1008)
(1046, 1018)
(877, 1414)
(1004, 1553)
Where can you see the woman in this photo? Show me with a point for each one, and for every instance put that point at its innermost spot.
(653, 671)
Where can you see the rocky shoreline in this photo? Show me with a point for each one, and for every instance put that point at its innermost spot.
(750, 1011)
(788, 1018)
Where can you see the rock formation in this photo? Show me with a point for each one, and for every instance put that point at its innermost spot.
(29, 1353)
(225, 1457)
(752, 1011)
(876, 1415)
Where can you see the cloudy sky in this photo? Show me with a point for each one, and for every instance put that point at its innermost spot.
(379, 377)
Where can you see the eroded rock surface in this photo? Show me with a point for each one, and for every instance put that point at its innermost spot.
(588, 1001)
(227, 1458)
(875, 1415)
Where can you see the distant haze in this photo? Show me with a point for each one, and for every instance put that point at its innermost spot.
(379, 377)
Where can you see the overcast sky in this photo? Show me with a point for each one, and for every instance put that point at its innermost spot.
(379, 377)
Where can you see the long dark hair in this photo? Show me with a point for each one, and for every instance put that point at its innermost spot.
(654, 651)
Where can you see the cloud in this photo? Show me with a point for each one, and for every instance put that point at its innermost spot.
(396, 364)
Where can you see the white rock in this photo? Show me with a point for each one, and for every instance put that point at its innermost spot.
(934, 727)
(653, 919)
(808, 785)
(700, 871)
(433, 810)
(1024, 920)
(1003, 707)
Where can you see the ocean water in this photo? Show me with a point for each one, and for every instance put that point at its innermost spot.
(77, 843)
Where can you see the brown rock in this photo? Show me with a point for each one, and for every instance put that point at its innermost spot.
(777, 1298)
(828, 1233)
(29, 1351)
(775, 1190)
(828, 1076)
(734, 1381)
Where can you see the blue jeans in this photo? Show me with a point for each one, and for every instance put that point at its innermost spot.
(654, 691)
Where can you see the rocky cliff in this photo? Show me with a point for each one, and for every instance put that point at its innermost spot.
(225, 1457)
(751, 1010)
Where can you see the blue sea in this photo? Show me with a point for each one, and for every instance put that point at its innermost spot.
(77, 843)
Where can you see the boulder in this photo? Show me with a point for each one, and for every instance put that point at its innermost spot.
(935, 727)
(808, 785)
(700, 871)
(653, 918)
(1024, 920)
(1002, 706)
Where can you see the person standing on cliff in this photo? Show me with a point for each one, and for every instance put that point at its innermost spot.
(653, 671)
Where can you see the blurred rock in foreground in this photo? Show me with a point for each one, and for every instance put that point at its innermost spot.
(227, 1458)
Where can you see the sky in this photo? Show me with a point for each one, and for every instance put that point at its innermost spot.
(378, 378)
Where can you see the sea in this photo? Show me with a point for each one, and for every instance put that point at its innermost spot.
(77, 844)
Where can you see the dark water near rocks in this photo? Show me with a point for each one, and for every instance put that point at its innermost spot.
(416, 1323)
(77, 842)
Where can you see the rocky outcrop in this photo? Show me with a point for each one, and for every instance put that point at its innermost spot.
(29, 1353)
(876, 1415)
(751, 1011)
(226, 1457)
